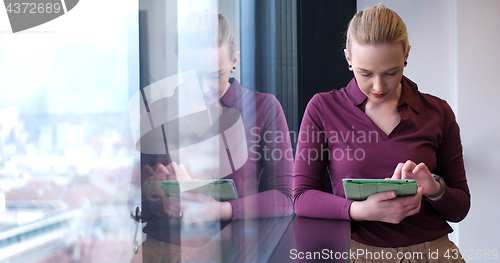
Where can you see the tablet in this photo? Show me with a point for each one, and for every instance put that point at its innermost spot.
(360, 189)
(220, 190)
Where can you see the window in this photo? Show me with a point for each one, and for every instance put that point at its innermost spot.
(66, 150)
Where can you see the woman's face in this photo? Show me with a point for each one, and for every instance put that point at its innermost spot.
(378, 70)
(213, 68)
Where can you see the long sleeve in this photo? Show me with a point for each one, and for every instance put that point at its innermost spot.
(270, 148)
(455, 203)
(310, 163)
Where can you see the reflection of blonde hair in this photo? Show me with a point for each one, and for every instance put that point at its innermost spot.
(377, 25)
(207, 29)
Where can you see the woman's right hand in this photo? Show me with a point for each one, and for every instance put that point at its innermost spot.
(386, 207)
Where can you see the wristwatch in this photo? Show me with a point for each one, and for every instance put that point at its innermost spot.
(440, 180)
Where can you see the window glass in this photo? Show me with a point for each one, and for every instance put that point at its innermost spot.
(66, 149)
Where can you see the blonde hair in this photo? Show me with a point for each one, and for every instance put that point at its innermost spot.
(207, 29)
(377, 25)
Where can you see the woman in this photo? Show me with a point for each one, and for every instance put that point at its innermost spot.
(381, 125)
(206, 43)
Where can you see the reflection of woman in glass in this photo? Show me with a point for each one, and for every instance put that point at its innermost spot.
(263, 182)
(381, 125)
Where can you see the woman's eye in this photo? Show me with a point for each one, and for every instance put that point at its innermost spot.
(391, 74)
(365, 75)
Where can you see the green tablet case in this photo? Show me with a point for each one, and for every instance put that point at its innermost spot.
(360, 189)
(220, 190)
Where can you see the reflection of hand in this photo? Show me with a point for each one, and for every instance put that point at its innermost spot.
(160, 204)
(193, 207)
(155, 175)
(420, 173)
(198, 207)
(180, 172)
(385, 207)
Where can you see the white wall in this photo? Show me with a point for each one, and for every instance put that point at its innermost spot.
(478, 42)
(455, 55)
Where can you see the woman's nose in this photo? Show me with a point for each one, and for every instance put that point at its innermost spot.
(378, 84)
(205, 86)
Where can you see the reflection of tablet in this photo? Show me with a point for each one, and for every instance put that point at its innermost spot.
(221, 190)
(360, 189)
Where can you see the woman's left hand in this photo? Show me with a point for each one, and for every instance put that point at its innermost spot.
(197, 207)
(420, 173)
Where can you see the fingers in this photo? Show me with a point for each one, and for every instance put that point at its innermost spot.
(172, 205)
(168, 207)
(198, 197)
(162, 173)
(385, 207)
(414, 208)
(414, 211)
(184, 174)
(169, 213)
(147, 172)
(153, 190)
(420, 193)
(177, 170)
(164, 207)
(180, 171)
(156, 165)
(412, 201)
(384, 196)
(152, 185)
(397, 171)
(170, 168)
(406, 171)
(420, 167)
(173, 210)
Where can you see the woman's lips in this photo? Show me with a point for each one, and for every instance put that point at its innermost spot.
(379, 95)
